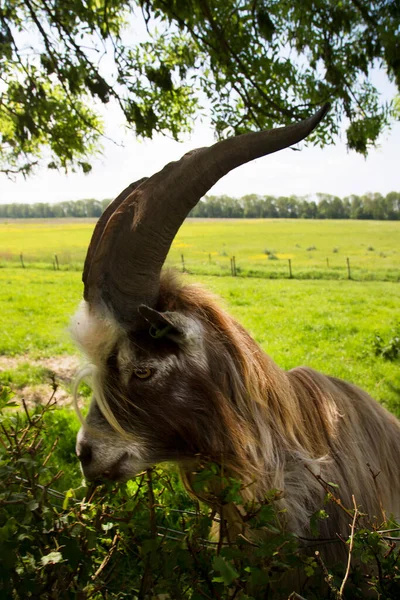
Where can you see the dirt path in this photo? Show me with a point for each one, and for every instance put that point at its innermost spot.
(60, 370)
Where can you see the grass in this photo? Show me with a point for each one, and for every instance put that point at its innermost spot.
(328, 325)
(24, 374)
(250, 240)
(35, 310)
(317, 249)
(41, 240)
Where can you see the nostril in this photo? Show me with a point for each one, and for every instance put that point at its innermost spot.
(85, 454)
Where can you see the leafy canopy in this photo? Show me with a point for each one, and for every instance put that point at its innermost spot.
(250, 64)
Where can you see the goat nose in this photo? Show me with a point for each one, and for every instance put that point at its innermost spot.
(84, 452)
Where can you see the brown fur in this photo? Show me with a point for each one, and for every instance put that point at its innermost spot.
(280, 427)
(225, 400)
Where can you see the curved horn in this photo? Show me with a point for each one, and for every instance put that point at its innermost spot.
(100, 226)
(130, 246)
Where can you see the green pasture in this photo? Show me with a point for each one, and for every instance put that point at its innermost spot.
(262, 248)
(328, 325)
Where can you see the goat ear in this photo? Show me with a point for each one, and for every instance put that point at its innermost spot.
(165, 324)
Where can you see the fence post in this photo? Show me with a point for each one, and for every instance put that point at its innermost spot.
(183, 263)
(22, 260)
(234, 266)
(54, 266)
(290, 269)
(56, 259)
(348, 268)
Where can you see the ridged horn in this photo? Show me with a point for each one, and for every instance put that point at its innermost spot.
(134, 234)
(100, 226)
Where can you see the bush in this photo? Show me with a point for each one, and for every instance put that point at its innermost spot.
(390, 349)
(270, 254)
(146, 538)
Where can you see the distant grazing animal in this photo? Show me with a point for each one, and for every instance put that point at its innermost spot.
(176, 378)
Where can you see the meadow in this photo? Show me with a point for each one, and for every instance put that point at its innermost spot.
(329, 324)
(317, 249)
(109, 541)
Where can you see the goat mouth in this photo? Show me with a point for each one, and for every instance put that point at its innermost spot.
(117, 472)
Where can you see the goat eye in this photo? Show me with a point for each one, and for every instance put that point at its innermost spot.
(143, 373)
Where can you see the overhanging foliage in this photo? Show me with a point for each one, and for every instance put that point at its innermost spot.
(249, 64)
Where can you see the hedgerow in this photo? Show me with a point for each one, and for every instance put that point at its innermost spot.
(148, 539)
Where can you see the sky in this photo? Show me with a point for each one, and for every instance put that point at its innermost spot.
(333, 169)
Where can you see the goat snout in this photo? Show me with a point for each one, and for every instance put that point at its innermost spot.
(95, 470)
(84, 453)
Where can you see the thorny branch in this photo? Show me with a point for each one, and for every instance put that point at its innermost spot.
(328, 489)
(327, 576)
(352, 530)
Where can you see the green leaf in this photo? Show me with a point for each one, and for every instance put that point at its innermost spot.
(319, 515)
(68, 494)
(228, 572)
(52, 558)
(8, 530)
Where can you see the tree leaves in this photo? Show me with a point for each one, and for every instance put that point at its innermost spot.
(250, 65)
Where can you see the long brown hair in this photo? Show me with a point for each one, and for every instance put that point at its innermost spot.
(286, 429)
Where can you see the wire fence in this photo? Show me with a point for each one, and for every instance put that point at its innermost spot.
(232, 266)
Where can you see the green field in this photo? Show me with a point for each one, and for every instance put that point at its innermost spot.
(262, 248)
(328, 325)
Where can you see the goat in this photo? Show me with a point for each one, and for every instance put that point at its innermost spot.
(176, 378)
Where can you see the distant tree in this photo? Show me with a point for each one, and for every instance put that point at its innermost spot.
(252, 206)
(293, 206)
(283, 207)
(378, 207)
(269, 207)
(369, 206)
(346, 208)
(79, 208)
(257, 63)
(356, 208)
(392, 203)
(230, 207)
(307, 209)
(93, 208)
(330, 207)
(104, 203)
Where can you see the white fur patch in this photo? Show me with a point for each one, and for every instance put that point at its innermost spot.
(94, 333)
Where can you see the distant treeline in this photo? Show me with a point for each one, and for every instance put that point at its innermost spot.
(253, 206)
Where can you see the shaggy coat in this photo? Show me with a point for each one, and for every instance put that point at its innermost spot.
(214, 393)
